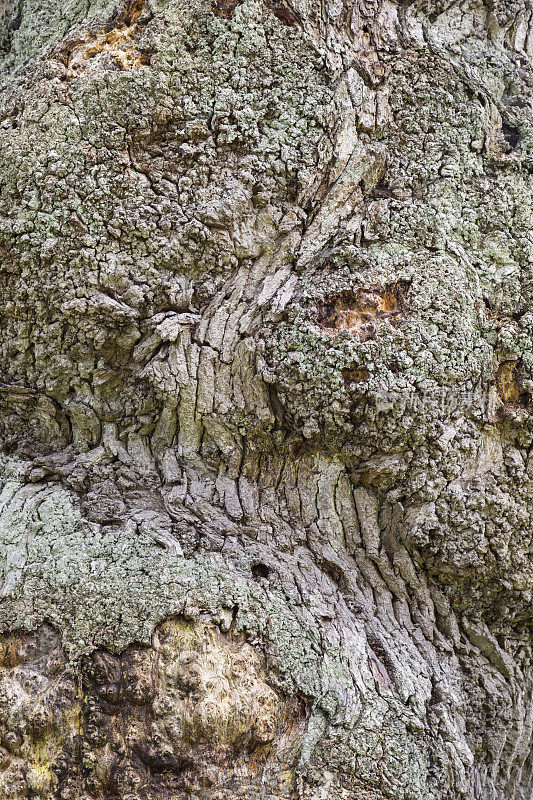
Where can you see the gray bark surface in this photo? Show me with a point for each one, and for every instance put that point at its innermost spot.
(266, 390)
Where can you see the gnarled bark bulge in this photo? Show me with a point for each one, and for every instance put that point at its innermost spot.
(266, 388)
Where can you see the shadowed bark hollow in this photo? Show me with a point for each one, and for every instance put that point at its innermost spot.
(266, 393)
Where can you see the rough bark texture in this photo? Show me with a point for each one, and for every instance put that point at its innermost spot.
(266, 386)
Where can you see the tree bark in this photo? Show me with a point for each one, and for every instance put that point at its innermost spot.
(266, 386)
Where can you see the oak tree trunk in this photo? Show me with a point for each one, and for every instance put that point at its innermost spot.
(266, 380)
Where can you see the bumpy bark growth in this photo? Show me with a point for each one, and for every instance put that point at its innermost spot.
(266, 387)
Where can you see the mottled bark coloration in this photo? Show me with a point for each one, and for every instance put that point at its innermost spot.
(266, 389)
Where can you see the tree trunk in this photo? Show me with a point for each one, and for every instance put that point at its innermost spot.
(266, 390)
